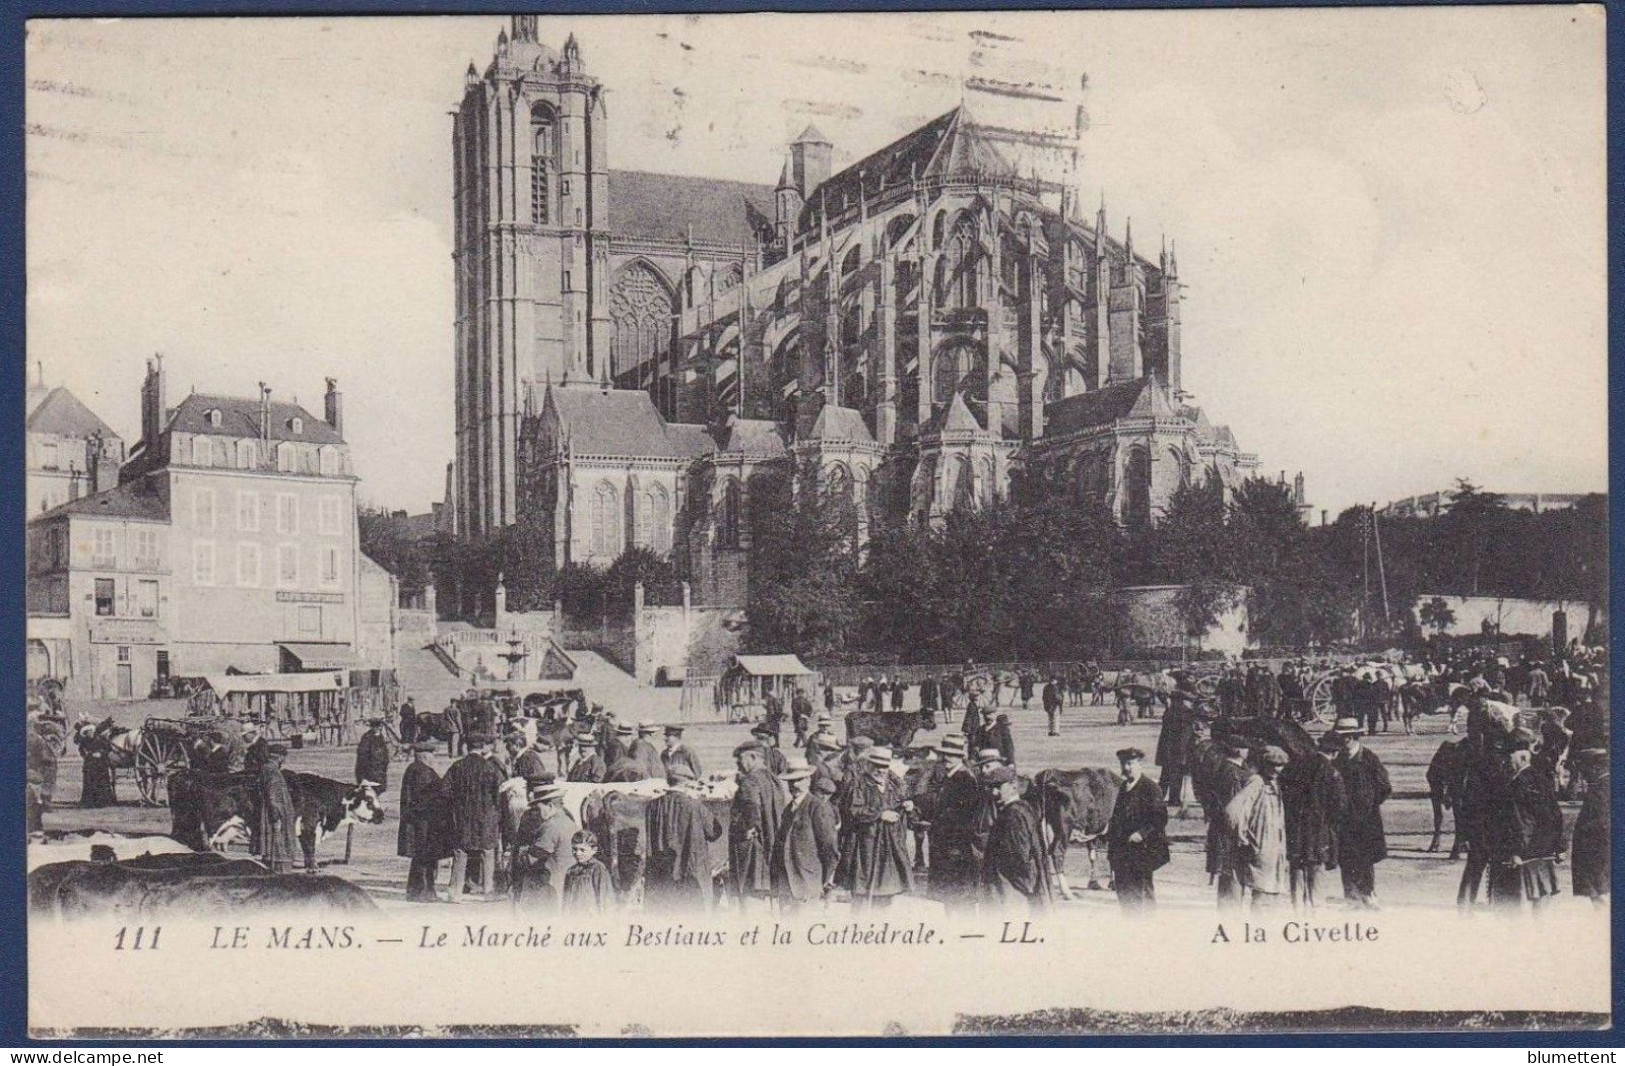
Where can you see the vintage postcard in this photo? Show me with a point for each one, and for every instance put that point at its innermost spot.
(818, 525)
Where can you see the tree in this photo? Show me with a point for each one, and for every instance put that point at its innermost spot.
(640, 566)
(387, 538)
(803, 558)
(1437, 615)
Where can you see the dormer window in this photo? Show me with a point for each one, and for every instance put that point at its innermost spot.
(213, 416)
(296, 426)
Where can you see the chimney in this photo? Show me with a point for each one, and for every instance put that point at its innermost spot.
(333, 407)
(152, 402)
(265, 414)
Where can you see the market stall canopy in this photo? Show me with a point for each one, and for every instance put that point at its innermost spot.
(225, 684)
(318, 656)
(772, 665)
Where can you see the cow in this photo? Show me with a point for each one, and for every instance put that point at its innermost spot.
(617, 819)
(1446, 775)
(207, 809)
(228, 886)
(885, 728)
(76, 889)
(1074, 807)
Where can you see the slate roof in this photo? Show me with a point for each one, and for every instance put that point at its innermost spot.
(617, 422)
(62, 413)
(840, 423)
(1140, 398)
(134, 499)
(240, 417)
(948, 146)
(752, 436)
(664, 206)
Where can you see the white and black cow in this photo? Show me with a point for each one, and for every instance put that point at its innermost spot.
(207, 810)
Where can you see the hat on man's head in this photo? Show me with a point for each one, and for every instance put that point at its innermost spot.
(747, 746)
(764, 730)
(879, 756)
(861, 743)
(999, 775)
(1273, 756)
(625, 729)
(1127, 754)
(1347, 726)
(647, 729)
(826, 741)
(989, 755)
(544, 791)
(952, 745)
(276, 749)
(796, 773)
(674, 731)
(586, 740)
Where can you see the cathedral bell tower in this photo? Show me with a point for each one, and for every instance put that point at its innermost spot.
(530, 192)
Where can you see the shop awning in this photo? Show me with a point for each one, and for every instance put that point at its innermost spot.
(319, 656)
(772, 665)
(225, 684)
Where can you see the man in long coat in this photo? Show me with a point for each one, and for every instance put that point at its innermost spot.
(409, 721)
(1256, 821)
(472, 784)
(255, 747)
(1590, 843)
(1177, 736)
(821, 756)
(372, 755)
(422, 836)
(928, 702)
(1316, 805)
(42, 760)
(956, 806)
(767, 738)
(1014, 866)
(528, 761)
(678, 752)
(541, 847)
(753, 826)
(1229, 778)
(1362, 843)
(677, 835)
(1525, 839)
(276, 813)
(1053, 699)
(1136, 836)
(806, 849)
(874, 863)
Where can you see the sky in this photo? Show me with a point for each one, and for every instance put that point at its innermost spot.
(1390, 223)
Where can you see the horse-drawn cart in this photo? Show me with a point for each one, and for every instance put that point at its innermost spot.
(164, 745)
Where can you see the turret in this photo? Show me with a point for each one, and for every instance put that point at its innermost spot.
(810, 156)
(787, 203)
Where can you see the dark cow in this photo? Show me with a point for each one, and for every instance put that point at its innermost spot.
(277, 893)
(206, 808)
(1447, 773)
(1075, 807)
(78, 888)
(617, 820)
(885, 728)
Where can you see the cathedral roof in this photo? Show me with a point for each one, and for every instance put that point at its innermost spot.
(950, 145)
(1141, 398)
(671, 207)
(835, 423)
(751, 436)
(958, 418)
(616, 422)
(62, 413)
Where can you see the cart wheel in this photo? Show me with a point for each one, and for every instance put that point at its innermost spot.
(1320, 701)
(158, 756)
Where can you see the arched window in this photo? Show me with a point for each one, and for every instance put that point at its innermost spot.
(659, 509)
(839, 484)
(895, 230)
(640, 309)
(544, 150)
(849, 265)
(728, 512)
(1182, 468)
(960, 263)
(606, 522)
(959, 366)
(1137, 489)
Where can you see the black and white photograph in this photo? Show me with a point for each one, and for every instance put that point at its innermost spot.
(818, 525)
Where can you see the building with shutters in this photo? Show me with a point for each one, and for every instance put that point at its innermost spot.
(71, 452)
(632, 348)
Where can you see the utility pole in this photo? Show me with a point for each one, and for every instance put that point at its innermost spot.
(1382, 573)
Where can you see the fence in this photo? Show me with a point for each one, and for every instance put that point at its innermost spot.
(914, 673)
(698, 703)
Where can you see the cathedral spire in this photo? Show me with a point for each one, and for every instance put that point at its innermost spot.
(1173, 259)
(784, 175)
(524, 27)
(1128, 239)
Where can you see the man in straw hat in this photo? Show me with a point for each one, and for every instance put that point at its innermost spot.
(1362, 842)
(472, 786)
(753, 826)
(644, 753)
(1015, 866)
(955, 808)
(541, 846)
(1136, 837)
(766, 736)
(1255, 822)
(807, 849)
(677, 834)
(589, 765)
(874, 863)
